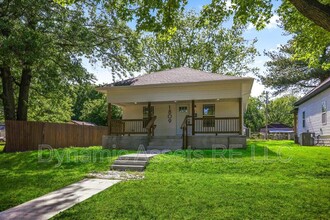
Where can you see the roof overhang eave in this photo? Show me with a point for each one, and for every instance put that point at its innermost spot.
(245, 79)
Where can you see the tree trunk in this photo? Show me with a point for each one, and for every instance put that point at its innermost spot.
(23, 98)
(314, 11)
(7, 95)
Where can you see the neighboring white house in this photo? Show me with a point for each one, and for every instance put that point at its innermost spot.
(179, 104)
(313, 113)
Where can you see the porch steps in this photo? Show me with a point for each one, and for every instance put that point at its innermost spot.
(127, 168)
(165, 142)
(132, 162)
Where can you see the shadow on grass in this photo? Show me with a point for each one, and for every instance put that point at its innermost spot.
(27, 175)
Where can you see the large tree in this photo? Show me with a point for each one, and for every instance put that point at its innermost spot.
(51, 105)
(284, 73)
(43, 42)
(309, 19)
(157, 15)
(199, 46)
(309, 38)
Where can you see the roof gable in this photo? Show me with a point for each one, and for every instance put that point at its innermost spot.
(173, 76)
(320, 88)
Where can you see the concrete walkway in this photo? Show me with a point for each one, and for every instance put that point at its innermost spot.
(55, 202)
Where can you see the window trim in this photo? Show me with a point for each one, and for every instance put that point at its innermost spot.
(213, 105)
(324, 113)
(181, 108)
(209, 122)
(303, 119)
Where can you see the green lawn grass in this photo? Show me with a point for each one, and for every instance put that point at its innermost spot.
(27, 175)
(268, 180)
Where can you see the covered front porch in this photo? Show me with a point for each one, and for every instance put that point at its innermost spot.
(188, 123)
(178, 108)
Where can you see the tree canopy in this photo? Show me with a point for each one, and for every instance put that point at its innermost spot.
(43, 43)
(199, 46)
(91, 106)
(284, 73)
(279, 111)
(307, 20)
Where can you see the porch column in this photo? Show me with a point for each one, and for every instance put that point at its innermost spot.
(240, 112)
(149, 111)
(193, 117)
(149, 118)
(109, 118)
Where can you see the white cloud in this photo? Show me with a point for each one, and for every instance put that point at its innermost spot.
(273, 23)
(229, 4)
(250, 26)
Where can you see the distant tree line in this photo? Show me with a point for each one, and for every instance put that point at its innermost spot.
(279, 110)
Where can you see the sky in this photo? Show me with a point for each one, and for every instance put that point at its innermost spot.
(267, 39)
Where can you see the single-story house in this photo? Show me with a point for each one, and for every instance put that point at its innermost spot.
(278, 130)
(312, 114)
(178, 108)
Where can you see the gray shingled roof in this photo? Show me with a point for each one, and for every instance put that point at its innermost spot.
(320, 88)
(176, 75)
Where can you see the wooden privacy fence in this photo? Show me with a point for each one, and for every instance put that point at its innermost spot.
(28, 135)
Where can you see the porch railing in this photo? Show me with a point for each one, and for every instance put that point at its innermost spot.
(151, 126)
(132, 126)
(217, 125)
(209, 125)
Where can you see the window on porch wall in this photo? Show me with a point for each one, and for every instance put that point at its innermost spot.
(208, 115)
(146, 115)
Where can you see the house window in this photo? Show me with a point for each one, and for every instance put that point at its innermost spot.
(208, 115)
(303, 119)
(146, 114)
(183, 109)
(324, 113)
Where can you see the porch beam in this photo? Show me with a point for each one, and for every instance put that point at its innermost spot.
(109, 118)
(240, 112)
(193, 117)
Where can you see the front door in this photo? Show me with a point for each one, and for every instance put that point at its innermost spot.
(181, 112)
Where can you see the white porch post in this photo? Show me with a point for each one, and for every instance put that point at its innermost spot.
(240, 116)
(193, 117)
(109, 118)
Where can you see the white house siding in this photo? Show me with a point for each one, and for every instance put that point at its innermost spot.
(313, 115)
(165, 128)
